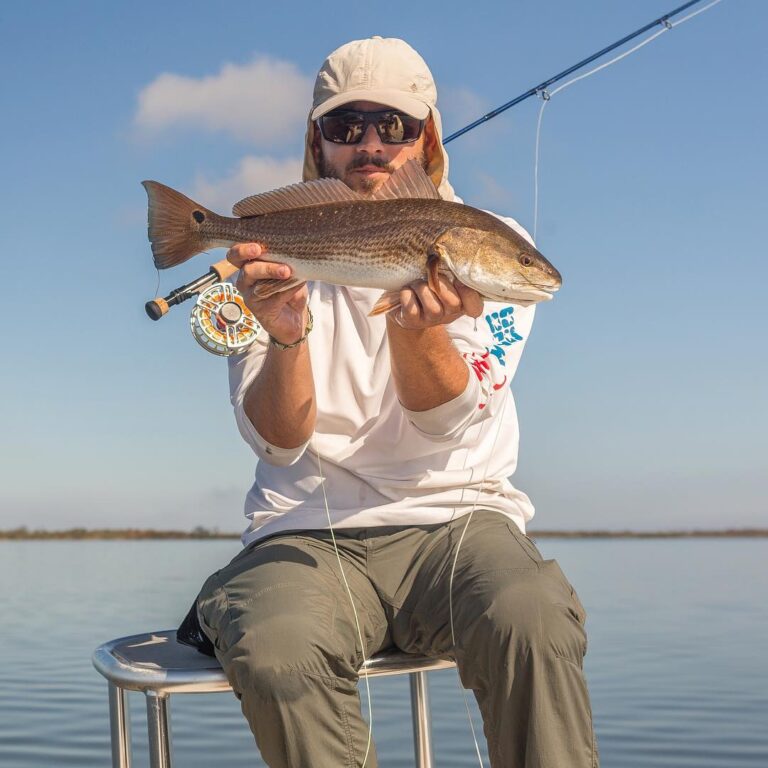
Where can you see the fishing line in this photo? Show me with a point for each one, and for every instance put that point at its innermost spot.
(450, 583)
(354, 610)
(542, 92)
(546, 96)
(696, 13)
(157, 288)
(455, 561)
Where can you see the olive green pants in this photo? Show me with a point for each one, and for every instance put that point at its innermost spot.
(280, 619)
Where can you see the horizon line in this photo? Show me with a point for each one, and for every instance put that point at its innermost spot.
(22, 533)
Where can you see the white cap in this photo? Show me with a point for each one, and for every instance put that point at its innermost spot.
(384, 70)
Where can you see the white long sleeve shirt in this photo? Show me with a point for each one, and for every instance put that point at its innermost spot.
(380, 463)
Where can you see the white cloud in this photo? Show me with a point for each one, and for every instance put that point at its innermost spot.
(493, 194)
(264, 101)
(459, 106)
(253, 174)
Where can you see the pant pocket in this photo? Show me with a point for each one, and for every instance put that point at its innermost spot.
(525, 543)
(554, 567)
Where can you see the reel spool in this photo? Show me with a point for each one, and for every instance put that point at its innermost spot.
(220, 321)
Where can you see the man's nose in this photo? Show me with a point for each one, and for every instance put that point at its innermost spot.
(370, 141)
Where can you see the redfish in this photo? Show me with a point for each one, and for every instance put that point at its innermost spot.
(326, 231)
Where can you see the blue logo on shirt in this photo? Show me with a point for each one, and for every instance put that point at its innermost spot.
(502, 325)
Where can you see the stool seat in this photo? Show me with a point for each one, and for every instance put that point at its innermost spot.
(158, 665)
(157, 662)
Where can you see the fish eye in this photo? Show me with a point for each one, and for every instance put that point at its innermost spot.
(526, 260)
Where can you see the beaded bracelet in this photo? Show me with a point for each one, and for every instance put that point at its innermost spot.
(279, 344)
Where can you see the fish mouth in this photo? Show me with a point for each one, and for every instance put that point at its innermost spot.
(526, 294)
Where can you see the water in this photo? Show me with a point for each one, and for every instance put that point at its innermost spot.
(677, 663)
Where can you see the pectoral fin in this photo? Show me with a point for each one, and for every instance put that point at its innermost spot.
(437, 262)
(433, 271)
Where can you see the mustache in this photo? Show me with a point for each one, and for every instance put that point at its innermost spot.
(362, 160)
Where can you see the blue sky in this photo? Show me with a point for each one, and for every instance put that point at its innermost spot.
(642, 392)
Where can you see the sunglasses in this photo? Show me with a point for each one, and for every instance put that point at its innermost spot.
(348, 126)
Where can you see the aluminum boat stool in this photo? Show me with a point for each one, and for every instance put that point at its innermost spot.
(158, 666)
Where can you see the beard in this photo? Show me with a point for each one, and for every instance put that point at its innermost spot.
(369, 186)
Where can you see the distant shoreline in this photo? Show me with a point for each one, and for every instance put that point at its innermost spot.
(139, 534)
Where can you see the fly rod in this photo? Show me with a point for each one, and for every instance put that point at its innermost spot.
(221, 270)
(541, 88)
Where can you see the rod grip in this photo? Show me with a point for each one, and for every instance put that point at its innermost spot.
(156, 308)
(223, 269)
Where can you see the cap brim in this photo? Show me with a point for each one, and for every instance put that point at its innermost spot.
(394, 99)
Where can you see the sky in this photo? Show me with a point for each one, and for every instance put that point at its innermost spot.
(642, 391)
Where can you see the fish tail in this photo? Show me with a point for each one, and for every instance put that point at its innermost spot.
(176, 225)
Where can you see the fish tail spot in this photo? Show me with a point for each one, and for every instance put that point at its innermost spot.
(173, 225)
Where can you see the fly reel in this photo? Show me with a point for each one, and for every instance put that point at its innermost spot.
(220, 321)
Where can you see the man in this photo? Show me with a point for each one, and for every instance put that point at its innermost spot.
(382, 513)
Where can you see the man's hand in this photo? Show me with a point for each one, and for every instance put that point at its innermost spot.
(421, 307)
(283, 315)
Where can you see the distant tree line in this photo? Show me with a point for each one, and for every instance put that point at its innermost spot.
(199, 532)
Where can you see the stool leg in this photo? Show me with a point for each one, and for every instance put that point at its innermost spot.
(119, 727)
(422, 729)
(158, 727)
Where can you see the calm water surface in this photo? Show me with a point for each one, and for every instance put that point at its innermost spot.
(677, 664)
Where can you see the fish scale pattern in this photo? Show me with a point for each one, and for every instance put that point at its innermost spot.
(371, 243)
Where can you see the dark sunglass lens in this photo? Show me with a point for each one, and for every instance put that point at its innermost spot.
(398, 128)
(413, 127)
(342, 129)
(391, 128)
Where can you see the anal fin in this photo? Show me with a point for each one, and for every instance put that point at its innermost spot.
(388, 301)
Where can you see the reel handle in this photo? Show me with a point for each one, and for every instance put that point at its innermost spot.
(218, 272)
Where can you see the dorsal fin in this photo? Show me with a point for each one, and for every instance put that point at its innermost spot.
(409, 180)
(299, 195)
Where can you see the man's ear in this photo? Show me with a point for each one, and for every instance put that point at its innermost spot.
(316, 150)
(430, 138)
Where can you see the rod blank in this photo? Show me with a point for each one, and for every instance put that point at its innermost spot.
(583, 63)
